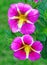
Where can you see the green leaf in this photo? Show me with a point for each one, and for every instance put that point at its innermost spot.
(41, 37)
(44, 51)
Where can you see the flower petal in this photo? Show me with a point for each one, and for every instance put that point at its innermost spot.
(34, 56)
(28, 39)
(23, 7)
(21, 55)
(27, 28)
(12, 10)
(16, 44)
(37, 45)
(36, 1)
(33, 15)
(13, 25)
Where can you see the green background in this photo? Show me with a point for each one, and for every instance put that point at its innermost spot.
(6, 36)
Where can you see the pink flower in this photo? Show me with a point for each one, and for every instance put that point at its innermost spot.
(21, 17)
(36, 1)
(25, 47)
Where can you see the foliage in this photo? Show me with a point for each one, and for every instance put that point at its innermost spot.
(6, 36)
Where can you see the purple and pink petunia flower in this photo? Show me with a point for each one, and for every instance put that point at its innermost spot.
(36, 1)
(21, 17)
(25, 47)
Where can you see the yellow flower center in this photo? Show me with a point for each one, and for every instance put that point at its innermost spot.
(22, 18)
(27, 50)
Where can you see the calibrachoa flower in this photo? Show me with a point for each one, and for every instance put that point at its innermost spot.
(25, 47)
(36, 1)
(21, 17)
